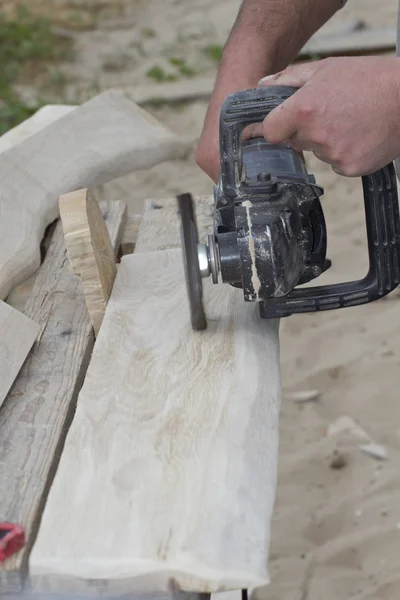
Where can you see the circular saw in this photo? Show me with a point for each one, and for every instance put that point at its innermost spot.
(269, 234)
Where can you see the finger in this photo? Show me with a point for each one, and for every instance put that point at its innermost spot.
(252, 131)
(281, 123)
(295, 75)
(300, 144)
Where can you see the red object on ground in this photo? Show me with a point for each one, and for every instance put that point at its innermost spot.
(12, 539)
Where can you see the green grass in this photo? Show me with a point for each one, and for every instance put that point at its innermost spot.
(27, 43)
(179, 64)
(148, 32)
(182, 67)
(160, 75)
(214, 51)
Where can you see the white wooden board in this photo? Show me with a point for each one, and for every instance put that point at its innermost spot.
(167, 478)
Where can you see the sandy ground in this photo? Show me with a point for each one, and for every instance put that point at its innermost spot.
(336, 530)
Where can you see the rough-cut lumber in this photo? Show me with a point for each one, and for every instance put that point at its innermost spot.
(17, 336)
(177, 472)
(35, 417)
(173, 446)
(105, 138)
(89, 249)
(41, 118)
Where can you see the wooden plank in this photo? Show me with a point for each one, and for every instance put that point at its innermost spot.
(105, 138)
(170, 512)
(36, 414)
(160, 226)
(90, 251)
(17, 335)
(362, 41)
(49, 570)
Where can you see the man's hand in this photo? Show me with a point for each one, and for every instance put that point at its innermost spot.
(347, 112)
(266, 37)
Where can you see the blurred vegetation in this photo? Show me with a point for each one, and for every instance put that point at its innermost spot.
(180, 67)
(214, 51)
(28, 47)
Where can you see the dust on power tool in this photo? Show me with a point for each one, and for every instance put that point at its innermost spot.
(269, 228)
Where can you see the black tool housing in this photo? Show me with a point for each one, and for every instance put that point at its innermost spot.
(270, 226)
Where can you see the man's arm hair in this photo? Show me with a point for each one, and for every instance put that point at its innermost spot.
(266, 37)
(268, 34)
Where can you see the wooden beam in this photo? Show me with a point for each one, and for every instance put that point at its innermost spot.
(362, 41)
(105, 138)
(90, 250)
(17, 336)
(173, 445)
(36, 414)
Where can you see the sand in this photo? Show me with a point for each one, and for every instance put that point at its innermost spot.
(336, 529)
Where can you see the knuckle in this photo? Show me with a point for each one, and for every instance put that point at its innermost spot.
(336, 155)
(348, 169)
(306, 110)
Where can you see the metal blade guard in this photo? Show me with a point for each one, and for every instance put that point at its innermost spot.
(269, 228)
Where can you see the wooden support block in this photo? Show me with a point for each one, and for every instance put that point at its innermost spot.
(90, 250)
(36, 415)
(173, 445)
(17, 336)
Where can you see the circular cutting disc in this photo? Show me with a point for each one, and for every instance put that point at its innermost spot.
(194, 285)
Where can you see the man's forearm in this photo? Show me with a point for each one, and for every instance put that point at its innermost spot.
(268, 35)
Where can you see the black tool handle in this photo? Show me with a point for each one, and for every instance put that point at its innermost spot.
(383, 234)
(239, 110)
(380, 202)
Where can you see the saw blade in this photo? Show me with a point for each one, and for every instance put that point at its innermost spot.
(194, 285)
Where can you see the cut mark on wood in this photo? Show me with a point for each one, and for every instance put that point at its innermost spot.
(17, 336)
(35, 416)
(90, 250)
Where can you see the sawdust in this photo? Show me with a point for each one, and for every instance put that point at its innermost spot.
(255, 280)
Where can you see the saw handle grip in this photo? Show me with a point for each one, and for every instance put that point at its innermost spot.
(238, 111)
(383, 235)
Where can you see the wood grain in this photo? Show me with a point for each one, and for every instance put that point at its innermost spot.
(160, 226)
(168, 472)
(36, 414)
(17, 336)
(90, 250)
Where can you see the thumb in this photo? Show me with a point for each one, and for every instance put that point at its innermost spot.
(295, 75)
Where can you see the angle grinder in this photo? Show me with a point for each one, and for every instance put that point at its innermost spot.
(269, 234)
